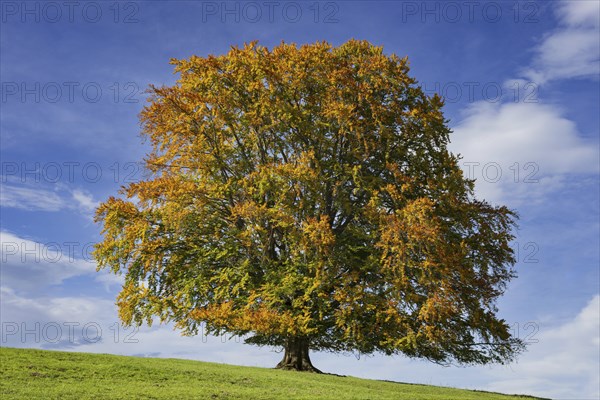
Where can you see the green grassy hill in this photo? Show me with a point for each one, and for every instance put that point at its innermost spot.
(39, 374)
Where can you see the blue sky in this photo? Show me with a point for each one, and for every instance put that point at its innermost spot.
(521, 81)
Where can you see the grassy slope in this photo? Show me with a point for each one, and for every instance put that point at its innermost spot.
(39, 374)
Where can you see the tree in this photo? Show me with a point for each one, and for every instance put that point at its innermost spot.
(304, 198)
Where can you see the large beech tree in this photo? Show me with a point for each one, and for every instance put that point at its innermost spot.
(304, 198)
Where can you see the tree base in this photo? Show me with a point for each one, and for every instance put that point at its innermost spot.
(305, 367)
(296, 357)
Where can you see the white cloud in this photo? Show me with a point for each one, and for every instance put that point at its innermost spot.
(571, 53)
(524, 132)
(579, 13)
(572, 50)
(85, 200)
(30, 199)
(108, 279)
(520, 151)
(563, 365)
(31, 266)
(41, 316)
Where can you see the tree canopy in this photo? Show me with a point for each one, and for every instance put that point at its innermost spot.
(304, 197)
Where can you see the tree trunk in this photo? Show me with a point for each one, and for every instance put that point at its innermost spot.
(296, 356)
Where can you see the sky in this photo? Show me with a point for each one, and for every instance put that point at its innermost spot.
(522, 90)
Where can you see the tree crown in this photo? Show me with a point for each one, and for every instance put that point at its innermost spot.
(308, 192)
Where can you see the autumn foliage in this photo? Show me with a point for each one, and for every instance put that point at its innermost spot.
(304, 197)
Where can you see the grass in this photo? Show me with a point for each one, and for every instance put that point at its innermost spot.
(42, 374)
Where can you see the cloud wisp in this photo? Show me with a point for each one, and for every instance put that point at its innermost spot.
(573, 49)
(29, 197)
